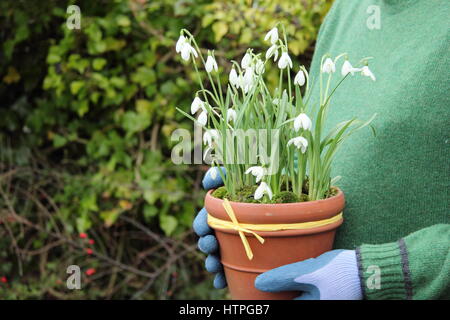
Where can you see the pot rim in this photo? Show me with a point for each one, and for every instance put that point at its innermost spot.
(268, 213)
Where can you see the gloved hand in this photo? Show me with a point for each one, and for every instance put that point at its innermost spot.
(331, 276)
(208, 242)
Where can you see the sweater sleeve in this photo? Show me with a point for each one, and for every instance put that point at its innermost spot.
(414, 267)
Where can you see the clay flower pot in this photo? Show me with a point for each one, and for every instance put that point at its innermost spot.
(279, 247)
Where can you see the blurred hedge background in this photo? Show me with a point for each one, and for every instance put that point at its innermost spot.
(86, 118)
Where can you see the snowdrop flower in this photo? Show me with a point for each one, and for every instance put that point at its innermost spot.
(196, 105)
(231, 115)
(247, 79)
(233, 77)
(246, 60)
(328, 66)
(347, 68)
(180, 43)
(187, 50)
(203, 118)
(257, 172)
(272, 51)
(300, 142)
(211, 64)
(209, 136)
(302, 121)
(299, 78)
(284, 61)
(272, 35)
(365, 71)
(259, 67)
(240, 82)
(206, 153)
(261, 190)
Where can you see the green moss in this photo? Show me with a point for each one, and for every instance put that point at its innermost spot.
(331, 193)
(285, 197)
(304, 197)
(220, 193)
(245, 195)
(305, 186)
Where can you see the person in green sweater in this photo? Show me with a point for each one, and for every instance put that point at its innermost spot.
(395, 242)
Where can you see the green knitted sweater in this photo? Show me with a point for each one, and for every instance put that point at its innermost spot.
(397, 182)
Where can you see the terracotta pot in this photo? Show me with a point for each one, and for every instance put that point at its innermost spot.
(279, 248)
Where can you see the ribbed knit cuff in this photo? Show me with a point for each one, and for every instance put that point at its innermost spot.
(384, 271)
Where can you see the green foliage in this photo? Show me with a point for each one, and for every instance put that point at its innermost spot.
(97, 105)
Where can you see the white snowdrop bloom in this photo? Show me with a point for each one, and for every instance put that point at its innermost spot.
(300, 78)
(233, 77)
(259, 67)
(231, 115)
(240, 82)
(261, 190)
(300, 142)
(302, 121)
(272, 51)
(246, 60)
(328, 66)
(211, 64)
(247, 80)
(284, 61)
(206, 153)
(272, 35)
(365, 71)
(196, 105)
(348, 68)
(203, 118)
(257, 172)
(245, 87)
(187, 50)
(249, 75)
(209, 136)
(180, 43)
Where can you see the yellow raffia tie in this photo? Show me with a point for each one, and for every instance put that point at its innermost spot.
(251, 228)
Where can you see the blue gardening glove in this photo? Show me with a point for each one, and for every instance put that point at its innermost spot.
(331, 276)
(208, 242)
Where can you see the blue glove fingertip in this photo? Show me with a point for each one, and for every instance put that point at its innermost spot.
(278, 279)
(212, 178)
(212, 264)
(220, 281)
(263, 283)
(208, 244)
(200, 224)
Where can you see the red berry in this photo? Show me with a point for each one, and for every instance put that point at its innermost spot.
(89, 251)
(3, 279)
(83, 235)
(91, 241)
(90, 271)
